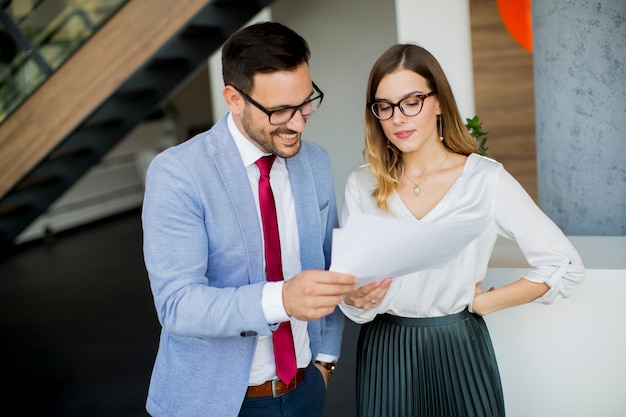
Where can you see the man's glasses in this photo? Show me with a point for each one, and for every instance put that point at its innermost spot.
(285, 114)
(409, 106)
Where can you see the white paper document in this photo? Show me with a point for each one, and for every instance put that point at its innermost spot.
(375, 247)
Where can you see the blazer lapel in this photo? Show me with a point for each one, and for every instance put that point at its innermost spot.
(307, 210)
(233, 174)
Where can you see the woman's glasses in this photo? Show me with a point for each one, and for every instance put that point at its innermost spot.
(409, 106)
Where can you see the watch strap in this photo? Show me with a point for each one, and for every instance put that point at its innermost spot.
(329, 366)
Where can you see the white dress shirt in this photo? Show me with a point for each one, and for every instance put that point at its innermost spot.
(263, 368)
(483, 190)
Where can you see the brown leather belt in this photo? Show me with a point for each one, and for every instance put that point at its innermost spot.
(275, 388)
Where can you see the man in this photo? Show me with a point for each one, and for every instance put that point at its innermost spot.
(205, 221)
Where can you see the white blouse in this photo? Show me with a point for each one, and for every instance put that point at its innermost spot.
(483, 190)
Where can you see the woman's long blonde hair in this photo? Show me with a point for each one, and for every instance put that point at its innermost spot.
(384, 158)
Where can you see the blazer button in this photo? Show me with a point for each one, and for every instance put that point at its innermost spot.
(248, 333)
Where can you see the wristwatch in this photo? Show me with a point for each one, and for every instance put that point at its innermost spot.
(330, 367)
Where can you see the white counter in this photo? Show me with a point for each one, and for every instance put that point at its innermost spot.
(569, 358)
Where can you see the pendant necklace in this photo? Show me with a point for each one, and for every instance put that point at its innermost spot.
(416, 187)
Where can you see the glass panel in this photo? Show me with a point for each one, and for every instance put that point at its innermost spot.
(43, 34)
(18, 82)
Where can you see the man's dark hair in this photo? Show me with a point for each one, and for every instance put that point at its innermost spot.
(261, 48)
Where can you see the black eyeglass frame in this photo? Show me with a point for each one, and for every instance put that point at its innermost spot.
(293, 109)
(422, 98)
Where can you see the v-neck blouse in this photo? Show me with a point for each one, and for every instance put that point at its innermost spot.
(484, 190)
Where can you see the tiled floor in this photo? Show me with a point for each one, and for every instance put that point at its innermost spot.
(78, 328)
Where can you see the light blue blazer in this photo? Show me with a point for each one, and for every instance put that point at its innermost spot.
(203, 250)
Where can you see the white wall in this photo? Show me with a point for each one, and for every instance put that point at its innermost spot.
(345, 38)
(443, 27)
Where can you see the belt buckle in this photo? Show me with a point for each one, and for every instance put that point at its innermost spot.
(274, 394)
(287, 387)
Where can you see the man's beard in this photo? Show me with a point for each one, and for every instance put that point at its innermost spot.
(266, 140)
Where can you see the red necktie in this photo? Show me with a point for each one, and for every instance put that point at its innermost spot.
(284, 351)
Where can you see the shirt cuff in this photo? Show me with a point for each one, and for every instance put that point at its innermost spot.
(326, 358)
(272, 303)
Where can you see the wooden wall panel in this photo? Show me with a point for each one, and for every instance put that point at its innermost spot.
(504, 93)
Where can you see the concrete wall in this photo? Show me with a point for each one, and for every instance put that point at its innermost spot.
(580, 107)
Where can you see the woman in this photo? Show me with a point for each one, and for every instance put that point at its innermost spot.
(425, 349)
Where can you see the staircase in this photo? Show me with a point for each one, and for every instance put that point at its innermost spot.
(40, 160)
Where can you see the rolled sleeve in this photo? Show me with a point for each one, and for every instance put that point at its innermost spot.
(554, 259)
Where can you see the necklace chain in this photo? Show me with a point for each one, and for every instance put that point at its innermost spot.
(416, 187)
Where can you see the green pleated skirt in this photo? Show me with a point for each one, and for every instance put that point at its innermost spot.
(428, 367)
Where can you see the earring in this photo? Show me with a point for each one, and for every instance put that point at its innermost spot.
(440, 126)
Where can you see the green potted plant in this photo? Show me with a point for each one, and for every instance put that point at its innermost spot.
(475, 128)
